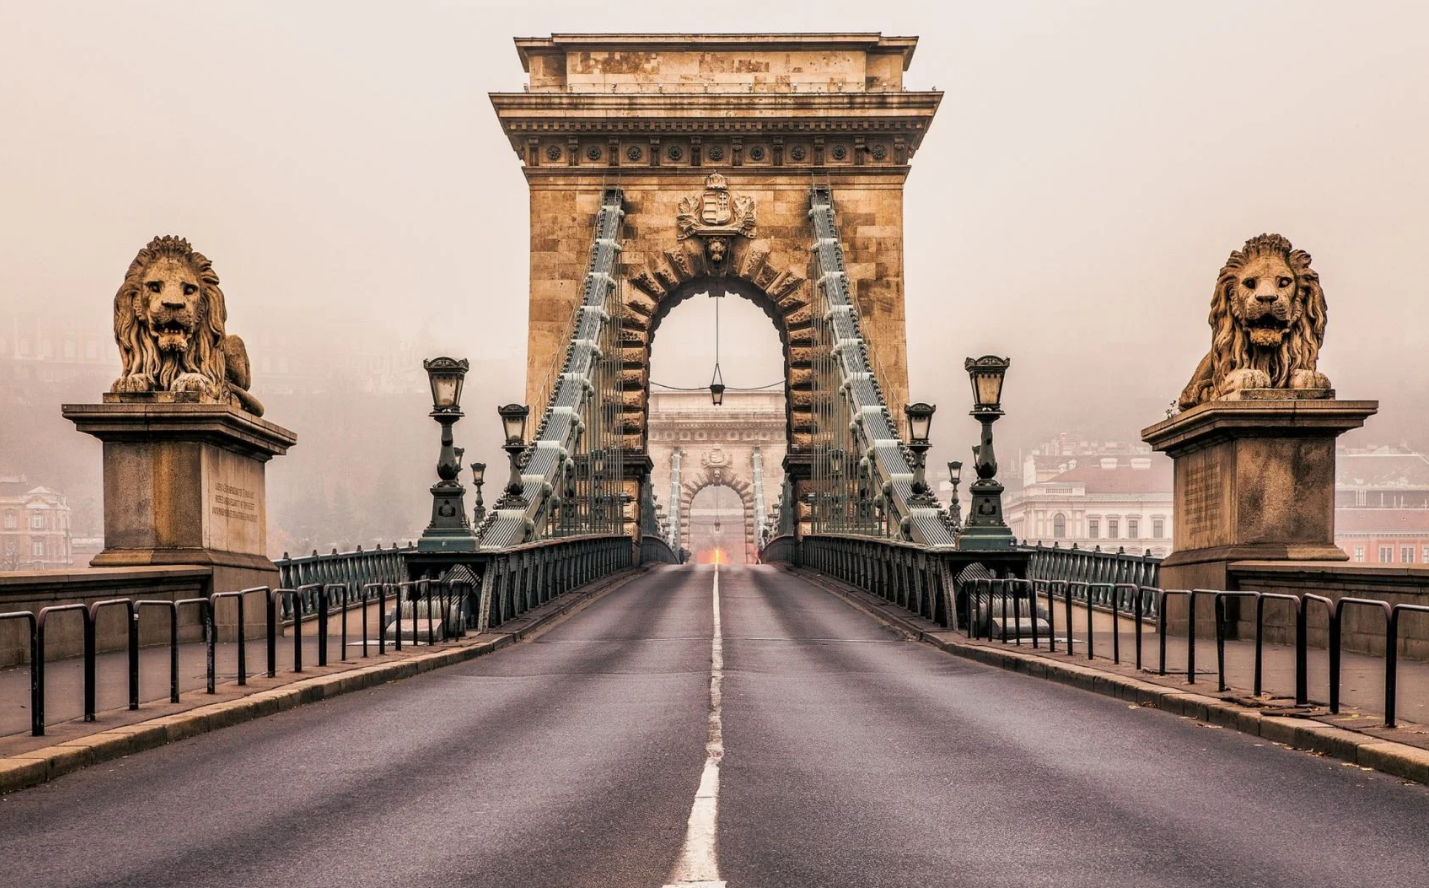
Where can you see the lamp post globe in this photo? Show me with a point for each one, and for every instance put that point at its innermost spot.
(445, 376)
(986, 374)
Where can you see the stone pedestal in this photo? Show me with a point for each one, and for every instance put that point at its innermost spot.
(184, 484)
(1255, 480)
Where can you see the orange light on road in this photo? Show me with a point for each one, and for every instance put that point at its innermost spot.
(712, 556)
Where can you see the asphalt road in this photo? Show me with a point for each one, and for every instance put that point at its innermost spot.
(851, 758)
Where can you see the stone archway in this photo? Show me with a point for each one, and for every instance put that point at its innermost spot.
(719, 475)
(715, 248)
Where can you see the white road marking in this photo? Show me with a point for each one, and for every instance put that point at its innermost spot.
(698, 865)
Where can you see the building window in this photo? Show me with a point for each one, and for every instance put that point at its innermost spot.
(1424, 555)
(1113, 529)
(37, 521)
(1133, 528)
(1059, 526)
(38, 549)
(1158, 528)
(9, 520)
(1094, 527)
(1359, 553)
(1386, 554)
(1406, 554)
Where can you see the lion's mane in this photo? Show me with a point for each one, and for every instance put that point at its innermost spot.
(1231, 347)
(138, 346)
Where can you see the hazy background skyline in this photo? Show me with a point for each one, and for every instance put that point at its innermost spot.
(1090, 168)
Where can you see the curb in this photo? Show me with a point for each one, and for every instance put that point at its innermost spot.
(43, 765)
(1397, 759)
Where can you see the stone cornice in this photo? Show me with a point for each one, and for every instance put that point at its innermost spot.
(865, 40)
(715, 106)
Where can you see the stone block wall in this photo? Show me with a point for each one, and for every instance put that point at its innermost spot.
(1362, 629)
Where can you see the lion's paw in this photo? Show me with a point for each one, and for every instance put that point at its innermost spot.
(1309, 379)
(1248, 378)
(190, 382)
(134, 382)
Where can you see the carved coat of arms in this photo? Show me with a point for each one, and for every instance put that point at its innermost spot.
(716, 217)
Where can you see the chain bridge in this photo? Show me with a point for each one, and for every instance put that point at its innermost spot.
(543, 690)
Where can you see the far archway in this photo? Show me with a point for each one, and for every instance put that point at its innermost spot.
(718, 527)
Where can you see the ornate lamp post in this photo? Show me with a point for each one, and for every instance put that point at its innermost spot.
(920, 422)
(513, 423)
(478, 478)
(955, 508)
(449, 530)
(985, 528)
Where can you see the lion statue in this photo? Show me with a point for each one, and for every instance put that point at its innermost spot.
(1267, 323)
(168, 321)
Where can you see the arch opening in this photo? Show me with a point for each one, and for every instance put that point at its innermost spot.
(719, 529)
(695, 446)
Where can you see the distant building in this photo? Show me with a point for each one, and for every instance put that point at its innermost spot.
(45, 348)
(1089, 494)
(1382, 505)
(34, 526)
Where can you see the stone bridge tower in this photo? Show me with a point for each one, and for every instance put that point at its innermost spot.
(716, 141)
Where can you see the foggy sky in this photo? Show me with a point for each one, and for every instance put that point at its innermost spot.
(1090, 168)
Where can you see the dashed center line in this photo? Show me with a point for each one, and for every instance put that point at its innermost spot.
(698, 864)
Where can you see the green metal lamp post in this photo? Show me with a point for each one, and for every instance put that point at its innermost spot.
(478, 478)
(920, 423)
(985, 529)
(449, 530)
(955, 508)
(513, 423)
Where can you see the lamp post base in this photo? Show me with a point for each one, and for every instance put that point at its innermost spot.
(985, 530)
(449, 530)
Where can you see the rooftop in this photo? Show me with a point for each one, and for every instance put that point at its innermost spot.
(1373, 521)
(1112, 475)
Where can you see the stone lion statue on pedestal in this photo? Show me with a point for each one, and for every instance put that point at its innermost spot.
(1267, 324)
(169, 320)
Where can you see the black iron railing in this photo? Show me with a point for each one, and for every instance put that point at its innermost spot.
(521, 578)
(654, 550)
(495, 588)
(357, 568)
(1092, 566)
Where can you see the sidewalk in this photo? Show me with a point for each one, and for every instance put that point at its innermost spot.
(64, 678)
(1358, 730)
(199, 711)
(1361, 676)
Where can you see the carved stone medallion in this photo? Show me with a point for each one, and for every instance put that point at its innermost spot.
(716, 217)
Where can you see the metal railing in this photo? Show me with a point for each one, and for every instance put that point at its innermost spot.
(906, 574)
(654, 550)
(451, 597)
(1016, 596)
(782, 549)
(1092, 566)
(521, 578)
(357, 568)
